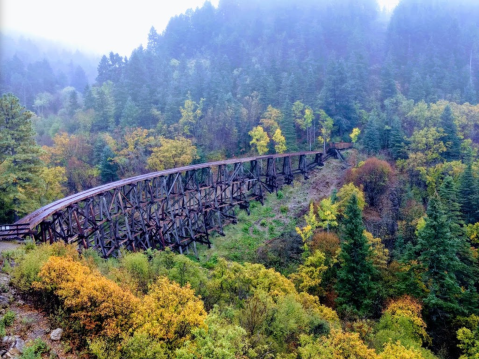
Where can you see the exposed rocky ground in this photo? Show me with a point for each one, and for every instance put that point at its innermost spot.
(29, 324)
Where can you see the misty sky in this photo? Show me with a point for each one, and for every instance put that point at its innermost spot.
(99, 26)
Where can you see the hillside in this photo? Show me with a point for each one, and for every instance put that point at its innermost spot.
(376, 260)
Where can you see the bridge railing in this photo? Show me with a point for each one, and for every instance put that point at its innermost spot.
(14, 230)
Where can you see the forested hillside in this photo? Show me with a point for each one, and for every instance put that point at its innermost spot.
(383, 266)
(36, 70)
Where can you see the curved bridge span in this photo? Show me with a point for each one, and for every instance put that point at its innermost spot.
(175, 208)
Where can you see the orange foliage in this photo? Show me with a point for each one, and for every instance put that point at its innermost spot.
(373, 176)
(328, 243)
(100, 305)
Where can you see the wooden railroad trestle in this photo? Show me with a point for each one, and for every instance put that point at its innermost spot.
(175, 208)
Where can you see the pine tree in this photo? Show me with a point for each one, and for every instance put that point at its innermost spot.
(416, 89)
(129, 115)
(435, 257)
(20, 165)
(288, 127)
(468, 195)
(371, 135)
(397, 145)
(470, 94)
(450, 139)
(355, 287)
(108, 166)
(388, 85)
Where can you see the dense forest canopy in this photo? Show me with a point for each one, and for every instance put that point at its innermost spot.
(384, 266)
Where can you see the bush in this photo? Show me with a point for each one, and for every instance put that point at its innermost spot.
(35, 349)
(30, 263)
(136, 268)
(373, 176)
(9, 318)
(99, 304)
(169, 313)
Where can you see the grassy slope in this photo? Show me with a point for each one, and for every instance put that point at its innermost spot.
(276, 217)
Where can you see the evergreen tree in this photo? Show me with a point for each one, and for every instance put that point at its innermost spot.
(371, 141)
(449, 198)
(388, 85)
(355, 287)
(288, 127)
(468, 195)
(451, 139)
(397, 145)
(129, 115)
(108, 166)
(20, 165)
(336, 98)
(416, 89)
(435, 257)
(470, 94)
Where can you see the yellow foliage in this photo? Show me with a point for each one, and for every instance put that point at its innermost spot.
(260, 139)
(397, 351)
(172, 153)
(52, 178)
(409, 308)
(355, 134)
(309, 275)
(345, 193)
(135, 139)
(311, 303)
(472, 231)
(379, 251)
(100, 305)
(190, 115)
(327, 212)
(280, 142)
(270, 120)
(337, 345)
(169, 312)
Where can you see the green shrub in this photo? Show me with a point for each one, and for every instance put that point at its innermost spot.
(141, 346)
(35, 349)
(30, 262)
(7, 268)
(9, 318)
(284, 209)
(137, 266)
(263, 223)
(280, 195)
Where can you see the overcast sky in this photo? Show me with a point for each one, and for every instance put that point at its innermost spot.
(99, 26)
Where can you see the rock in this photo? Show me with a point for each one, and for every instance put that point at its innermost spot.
(20, 345)
(8, 340)
(39, 332)
(4, 301)
(56, 334)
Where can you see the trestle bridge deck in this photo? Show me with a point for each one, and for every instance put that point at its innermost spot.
(175, 208)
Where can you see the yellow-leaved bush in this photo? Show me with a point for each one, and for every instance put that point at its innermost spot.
(337, 344)
(99, 304)
(169, 313)
(397, 351)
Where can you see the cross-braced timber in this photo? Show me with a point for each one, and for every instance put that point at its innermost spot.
(176, 208)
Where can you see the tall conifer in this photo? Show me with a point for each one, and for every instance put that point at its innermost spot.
(451, 139)
(355, 287)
